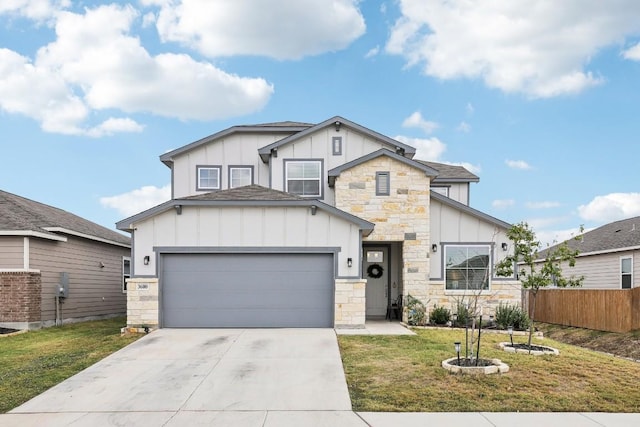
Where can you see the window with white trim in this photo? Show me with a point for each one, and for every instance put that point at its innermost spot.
(441, 190)
(304, 177)
(467, 267)
(126, 272)
(239, 176)
(626, 272)
(208, 177)
(383, 184)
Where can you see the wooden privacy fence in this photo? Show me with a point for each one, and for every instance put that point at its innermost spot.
(614, 310)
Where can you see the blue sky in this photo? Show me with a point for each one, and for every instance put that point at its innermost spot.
(540, 98)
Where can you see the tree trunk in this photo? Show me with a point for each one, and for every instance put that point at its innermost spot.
(533, 314)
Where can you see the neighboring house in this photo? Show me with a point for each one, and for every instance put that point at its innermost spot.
(301, 225)
(42, 249)
(609, 256)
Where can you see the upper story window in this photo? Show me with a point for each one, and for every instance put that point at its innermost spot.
(208, 177)
(239, 176)
(441, 190)
(468, 267)
(383, 184)
(126, 272)
(303, 177)
(626, 272)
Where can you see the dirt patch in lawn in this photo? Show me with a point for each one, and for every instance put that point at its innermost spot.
(620, 344)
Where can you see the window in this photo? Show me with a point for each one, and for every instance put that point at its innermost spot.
(208, 178)
(239, 176)
(336, 145)
(441, 190)
(303, 177)
(126, 272)
(626, 272)
(467, 267)
(382, 184)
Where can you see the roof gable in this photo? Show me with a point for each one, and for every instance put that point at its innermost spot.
(22, 215)
(340, 123)
(469, 210)
(450, 173)
(335, 172)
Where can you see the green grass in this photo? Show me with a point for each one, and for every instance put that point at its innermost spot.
(33, 362)
(404, 373)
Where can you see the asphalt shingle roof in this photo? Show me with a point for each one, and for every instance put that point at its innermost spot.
(449, 172)
(22, 214)
(249, 192)
(615, 235)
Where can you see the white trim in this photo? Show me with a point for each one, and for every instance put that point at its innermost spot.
(85, 236)
(240, 168)
(25, 253)
(31, 233)
(19, 270)
(289, 162)
(488, 246)
(609, 251)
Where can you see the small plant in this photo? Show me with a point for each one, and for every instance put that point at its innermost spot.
(511, 315)
(439, 315)
(416, 311)
(463, 314)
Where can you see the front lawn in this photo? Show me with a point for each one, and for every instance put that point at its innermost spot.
(32, 362)
(404, 373)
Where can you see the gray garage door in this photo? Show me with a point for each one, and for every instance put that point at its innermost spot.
(247, 290)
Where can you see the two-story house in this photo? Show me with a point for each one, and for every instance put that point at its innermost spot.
(308, 225)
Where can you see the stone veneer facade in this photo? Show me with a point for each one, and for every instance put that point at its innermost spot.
(402, 216)
(350, 303)
(143, 309)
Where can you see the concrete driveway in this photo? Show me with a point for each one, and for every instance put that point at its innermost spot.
(177, 377)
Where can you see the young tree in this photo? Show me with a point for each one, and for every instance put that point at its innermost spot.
(538, 269)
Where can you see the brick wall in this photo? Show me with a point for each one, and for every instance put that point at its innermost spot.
(20, 296)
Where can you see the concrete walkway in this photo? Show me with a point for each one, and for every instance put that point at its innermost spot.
(253, 378)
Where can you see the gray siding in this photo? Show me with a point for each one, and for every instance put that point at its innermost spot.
(11, 252)
(93, 291)
(603, 271)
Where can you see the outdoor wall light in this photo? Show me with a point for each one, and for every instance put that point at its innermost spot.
(434, 248)
(274, 152)
(314, 209)
(146, 260)
(349, 262)
(456, 345)
(510, 331)
(504, 246)
(337, 124)
(178, 209)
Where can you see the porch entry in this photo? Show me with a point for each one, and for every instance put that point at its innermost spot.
(380, 269)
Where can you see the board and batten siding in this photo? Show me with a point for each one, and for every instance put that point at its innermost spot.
(451, 225)
(246, 227)
(319, 145)
(93, 290)
(458, 192)
(11, 252)
(239, 149)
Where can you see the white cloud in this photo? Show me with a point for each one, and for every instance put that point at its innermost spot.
(518, 164)
(540, 48)
(553, 237)
(632, 53)
(415, 120)
(372, 52)
(37, 10)
(470, 109)
(426, 148)
(95, 64)
(611, 207)
(542, 205)
(468, 166)
(138, 200)
(464, 127)
(503, 203)
(281, 29)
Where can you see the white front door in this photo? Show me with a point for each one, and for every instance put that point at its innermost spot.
(375, 268)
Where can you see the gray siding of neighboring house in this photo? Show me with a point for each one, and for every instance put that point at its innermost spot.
(11, 252)
(603, 271)
(93, 291)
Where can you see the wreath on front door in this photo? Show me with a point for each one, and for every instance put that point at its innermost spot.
(375, 271)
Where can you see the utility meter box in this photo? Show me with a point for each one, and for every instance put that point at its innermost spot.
(63, 286)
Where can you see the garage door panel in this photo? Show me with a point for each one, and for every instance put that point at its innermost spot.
(247, 290)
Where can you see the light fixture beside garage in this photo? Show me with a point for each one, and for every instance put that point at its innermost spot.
(504, 246)
(178, 209)
(434, 247)
(349, 262)
(314, 208)
(146, 260)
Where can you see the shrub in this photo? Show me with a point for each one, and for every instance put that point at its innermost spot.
(463, 314)
(511, 315)
(416, 311)
(439, 315)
